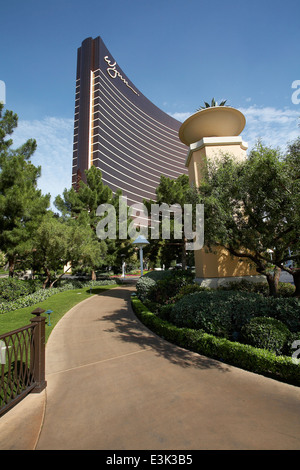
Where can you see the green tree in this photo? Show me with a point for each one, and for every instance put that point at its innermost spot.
(21, 204)
(83, 205)
(58, 242)
(50, 246)
(85, 251)
(252, 209)
(292, 217)
(172, 192)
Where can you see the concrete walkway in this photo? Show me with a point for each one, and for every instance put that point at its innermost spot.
(114, 385)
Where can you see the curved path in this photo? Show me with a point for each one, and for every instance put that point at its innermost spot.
(115, 385)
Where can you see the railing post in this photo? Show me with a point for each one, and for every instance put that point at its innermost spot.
(39, 350)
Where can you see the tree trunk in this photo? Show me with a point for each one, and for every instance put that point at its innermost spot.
(58, 278)
(295, 272)
(93, 275)
(48, 277)
(273, 279)
(11, 267)
(262, 268)
(296, 277)
(183, 255)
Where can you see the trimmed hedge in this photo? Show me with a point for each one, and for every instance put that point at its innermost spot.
(244, 356)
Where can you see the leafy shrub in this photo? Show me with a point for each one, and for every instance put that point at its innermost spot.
(266, 333)
(216, 312)
(246, 286)
(166, 288)
(202, 311)
(78, 284)
(143, 287)
(247, 357)
(12, 289)
(165, 311)
(286, 310)
(291, 346)
(43, 294)
(189, 289)
(159, 286)
(153, 306)
(232, 310)
(158, 275)
(285, 289)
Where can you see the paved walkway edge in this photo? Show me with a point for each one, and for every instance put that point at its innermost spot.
(21, 426)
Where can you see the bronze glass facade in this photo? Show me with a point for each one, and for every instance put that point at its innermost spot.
(118, 130)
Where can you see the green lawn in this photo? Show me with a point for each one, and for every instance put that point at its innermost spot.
(59, 303)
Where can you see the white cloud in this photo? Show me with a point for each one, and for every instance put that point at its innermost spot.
(54, 138)
(275, 127)
(180, 116)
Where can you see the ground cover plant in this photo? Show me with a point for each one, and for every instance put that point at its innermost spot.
(28, 296)
(239, 324)
(59, 300)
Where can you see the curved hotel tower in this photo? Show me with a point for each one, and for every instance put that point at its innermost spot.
(119, 130)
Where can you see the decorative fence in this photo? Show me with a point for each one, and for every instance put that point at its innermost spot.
(22, 361)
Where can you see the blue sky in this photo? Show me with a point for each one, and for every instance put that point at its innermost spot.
(177, 53)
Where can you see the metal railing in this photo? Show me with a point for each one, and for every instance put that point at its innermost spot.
(22, 361)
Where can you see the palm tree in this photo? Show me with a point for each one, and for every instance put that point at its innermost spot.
(213, 103)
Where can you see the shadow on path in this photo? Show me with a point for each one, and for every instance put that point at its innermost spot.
(131, 330)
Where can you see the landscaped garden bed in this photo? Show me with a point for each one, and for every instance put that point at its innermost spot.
(16, 293)
(16, 313)
(239, 325)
